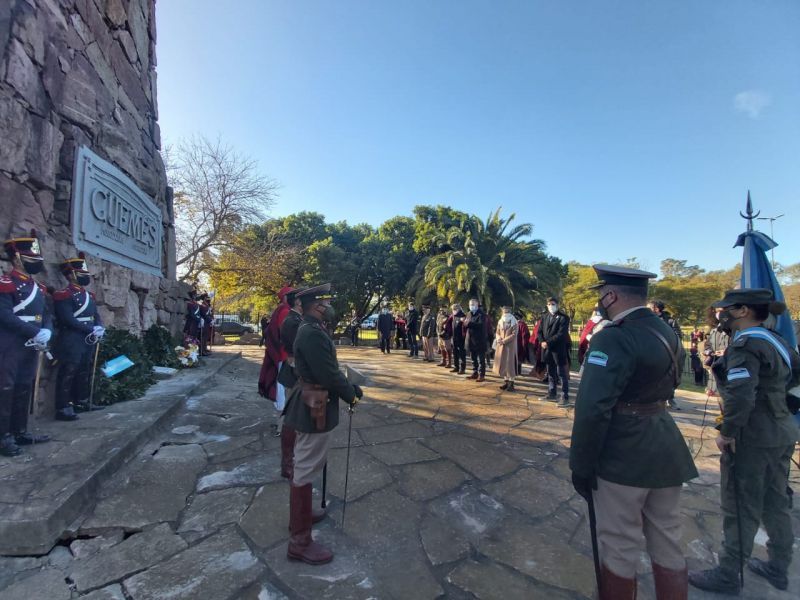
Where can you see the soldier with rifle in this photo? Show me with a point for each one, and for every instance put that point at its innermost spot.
(756, 437)
(25, 329)
(79, 331)
(627, 456)
(313, 412)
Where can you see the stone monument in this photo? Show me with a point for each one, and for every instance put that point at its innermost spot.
(80, 154)
(78, 116)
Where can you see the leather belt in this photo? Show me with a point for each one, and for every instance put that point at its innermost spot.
(640, 409)
(85, 319)
(30, 319)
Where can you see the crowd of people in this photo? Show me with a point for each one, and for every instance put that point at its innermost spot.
(474, 338)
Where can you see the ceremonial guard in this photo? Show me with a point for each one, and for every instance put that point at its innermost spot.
(274, 354)
(627, 456)
(25, 329)
(79, 330)
(313, 411)
(412, 330)
(288, 379)
(756, 437)
(194, 322)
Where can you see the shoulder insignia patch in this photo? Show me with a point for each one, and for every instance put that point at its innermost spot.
(738, 373)
(64, 294)
(597, 358)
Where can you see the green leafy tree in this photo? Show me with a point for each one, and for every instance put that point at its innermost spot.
(493, 261)
(577, 299)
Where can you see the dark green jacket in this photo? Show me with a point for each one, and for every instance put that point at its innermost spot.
(626, 362)
(753, 383)
(315, 362)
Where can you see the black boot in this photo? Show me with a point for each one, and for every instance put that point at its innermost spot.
(66, 414)
(510, 387)
(504, 386)
(8, 447)
(25, 438)
(716, 580)
(776, 576)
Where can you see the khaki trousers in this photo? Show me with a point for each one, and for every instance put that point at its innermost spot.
(310, 456)
(625, 514)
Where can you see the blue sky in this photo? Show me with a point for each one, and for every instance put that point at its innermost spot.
(618, 128)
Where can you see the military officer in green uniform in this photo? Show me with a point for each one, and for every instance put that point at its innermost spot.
(313, 411)
(287, 378)
(627, 455)
(756, 437)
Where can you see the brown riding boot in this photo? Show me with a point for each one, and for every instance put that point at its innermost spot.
(671, 584)
(288, 436)
(449, 356)
(614, 587)
(444, 359)
(301, 545)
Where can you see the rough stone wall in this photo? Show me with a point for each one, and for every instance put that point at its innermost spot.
(82, 72)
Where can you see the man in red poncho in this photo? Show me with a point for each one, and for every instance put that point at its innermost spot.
(274, 354)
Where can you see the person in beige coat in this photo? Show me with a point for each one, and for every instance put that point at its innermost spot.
(505, 353)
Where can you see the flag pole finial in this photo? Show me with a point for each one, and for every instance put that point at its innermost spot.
(749, 216)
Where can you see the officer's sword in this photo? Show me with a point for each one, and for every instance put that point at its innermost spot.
(593, 535)
(94, 374)
(347, 462)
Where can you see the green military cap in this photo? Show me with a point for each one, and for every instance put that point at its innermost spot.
(314, 293)
(614, 275)
(751, 297)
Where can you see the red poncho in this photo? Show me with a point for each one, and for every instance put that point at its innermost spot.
(274, 353)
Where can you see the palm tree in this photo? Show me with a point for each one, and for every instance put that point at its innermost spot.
(491, 261)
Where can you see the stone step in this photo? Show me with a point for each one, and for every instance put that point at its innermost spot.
(44, 490)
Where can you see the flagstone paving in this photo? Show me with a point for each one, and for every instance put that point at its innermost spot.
(456, 490)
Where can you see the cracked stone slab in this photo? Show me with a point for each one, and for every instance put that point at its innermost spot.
(47, 583)
(393, 433)
(427, 480)
(217, 567)
(85, 548)
(366, 473)
(112, 592)
(477, 457)
(442, 542)
(540, 552)
(213, 510)
(262, 591)
(347, 577)
(153, 491)
(486, 580)
(137, 553)
(266, 520)
(401, 453)
(470, 511)
(534, 492)
(250, 471)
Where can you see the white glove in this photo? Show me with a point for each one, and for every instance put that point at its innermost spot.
(202, 323)
(42, 337)
(98, 331)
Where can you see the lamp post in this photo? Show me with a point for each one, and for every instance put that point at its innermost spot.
(771, 233)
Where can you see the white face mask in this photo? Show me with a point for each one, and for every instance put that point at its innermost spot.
(553, 308)
(596, 318)
(473, 307)
(507, 317)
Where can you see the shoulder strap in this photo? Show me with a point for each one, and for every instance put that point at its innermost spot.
(83, 308)
(764, 334)
(675, 371)
(28, 300)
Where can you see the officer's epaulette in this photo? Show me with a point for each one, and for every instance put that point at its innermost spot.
(42, 287)
(91, 295)
(64, 294)
(7, 285)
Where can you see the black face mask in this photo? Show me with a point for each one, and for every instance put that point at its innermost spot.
(83, 279)
(603, 312)
(726, 319)
(32, 265)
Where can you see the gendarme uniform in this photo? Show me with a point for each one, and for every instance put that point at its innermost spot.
(23, 316)
(78, 324)
(624, 437)
(753, 378)
(312, 411)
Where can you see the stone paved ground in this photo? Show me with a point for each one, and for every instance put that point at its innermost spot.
(455, 490)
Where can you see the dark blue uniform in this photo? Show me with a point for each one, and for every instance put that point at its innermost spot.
(193, 320)
(76, 317)
(23, 312)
